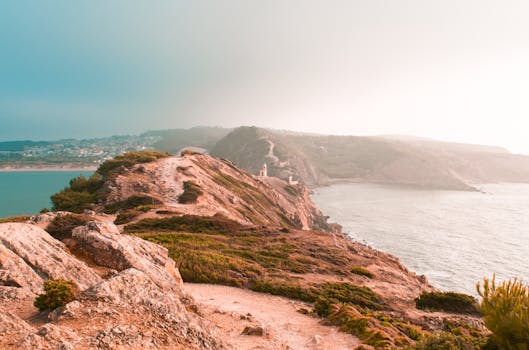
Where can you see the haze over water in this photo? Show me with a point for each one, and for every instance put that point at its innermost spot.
(454, 238)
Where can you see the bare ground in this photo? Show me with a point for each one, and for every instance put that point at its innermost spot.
(230, 310)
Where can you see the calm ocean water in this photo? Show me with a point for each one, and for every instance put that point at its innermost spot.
(454, 238)
(29, 192)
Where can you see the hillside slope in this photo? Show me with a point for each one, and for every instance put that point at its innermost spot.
(229, 228)
(321, 159)
(206, 186)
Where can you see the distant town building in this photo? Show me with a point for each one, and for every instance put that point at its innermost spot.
(292, 182)
(264, 171)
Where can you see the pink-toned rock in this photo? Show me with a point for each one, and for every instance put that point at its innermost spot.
(44, 255)
(103, 243)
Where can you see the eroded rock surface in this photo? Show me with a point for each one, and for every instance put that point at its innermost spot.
(44, 255)
(140, 305)
(104, 245)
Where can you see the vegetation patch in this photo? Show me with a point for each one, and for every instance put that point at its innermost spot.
(448, 302)
(62, 225)
(128, 160)
(285, 289)
(82, 194)
(505, 310)
(85, 193)
(126, 217)
(351, 321)
(191, 193)
(342, 292)
(358, 270)
(22, 218)
(292, 190)
(449, 341)
(185, 223)
(57, 293)
(132, 202)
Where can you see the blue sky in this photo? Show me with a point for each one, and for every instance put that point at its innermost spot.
(453, 70)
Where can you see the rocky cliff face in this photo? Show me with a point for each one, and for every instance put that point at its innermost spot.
(131, 293)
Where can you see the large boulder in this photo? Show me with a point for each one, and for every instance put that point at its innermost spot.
(30, 254)
(103, 244)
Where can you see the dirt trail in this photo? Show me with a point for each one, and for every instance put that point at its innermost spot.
(271, 154)
(167, 171)
(229, 310)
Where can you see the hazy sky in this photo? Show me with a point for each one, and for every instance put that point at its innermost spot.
(453, 70)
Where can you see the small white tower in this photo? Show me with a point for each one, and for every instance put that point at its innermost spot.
(264, 171)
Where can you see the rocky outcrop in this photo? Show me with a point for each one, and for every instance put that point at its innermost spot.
(131, 295)
(46, 257)
(104, 245)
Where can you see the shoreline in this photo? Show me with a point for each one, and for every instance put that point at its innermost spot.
(43, 169)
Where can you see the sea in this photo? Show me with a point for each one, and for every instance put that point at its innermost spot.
(455, 238)
(27, 192)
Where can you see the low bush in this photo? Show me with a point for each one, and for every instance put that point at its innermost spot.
(91, 185)
(191, 193)
(449, 341)
(285, 289)
(76, 202)
(127, 160)
(447, 301)
(505, 310)
(358, 270)
(21, 218)
(342, 292)
(82, 194)
(131, 202)
(351, 321)
(126, 217)
(186, 223)
(57, 293)
(62, 225)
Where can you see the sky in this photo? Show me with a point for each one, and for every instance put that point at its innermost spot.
(455, 70)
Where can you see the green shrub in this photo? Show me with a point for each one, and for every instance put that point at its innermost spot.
(358, 270)
(82, 194)
(323, 307)
(342, 292)
(191, 192)
(351, 321)
(91, 185)
(56, 293)
(289, 290)
(505, 310)
(126, 217)
(186, 223)
(447, 301)
(62, 225)
(131, 202)
(76, 202)
(444, 341)
(127, 160)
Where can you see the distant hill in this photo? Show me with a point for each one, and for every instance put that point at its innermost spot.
(323, 159)
(174, 140)
(314, 159)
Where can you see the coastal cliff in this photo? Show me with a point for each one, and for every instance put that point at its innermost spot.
(150, 224)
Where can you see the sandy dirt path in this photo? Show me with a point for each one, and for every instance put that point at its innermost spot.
(230, 310)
